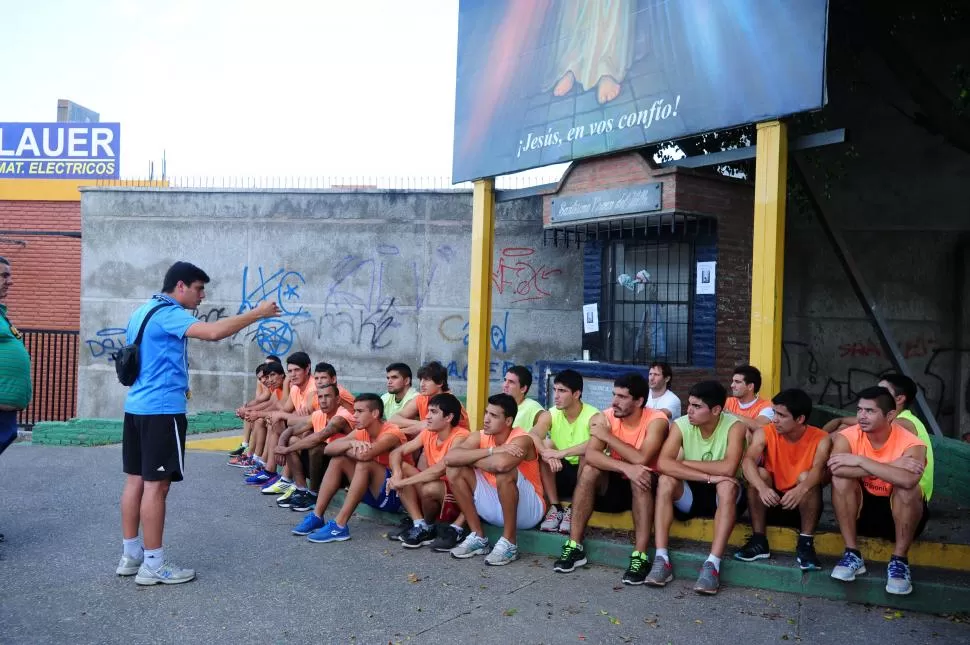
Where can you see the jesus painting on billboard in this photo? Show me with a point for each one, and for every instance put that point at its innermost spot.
(594, 47)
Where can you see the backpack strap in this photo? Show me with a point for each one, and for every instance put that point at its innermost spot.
(144, 322)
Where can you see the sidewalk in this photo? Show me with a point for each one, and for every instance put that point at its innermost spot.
(257, 582)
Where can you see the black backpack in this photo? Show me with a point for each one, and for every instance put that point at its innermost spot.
(127, 359)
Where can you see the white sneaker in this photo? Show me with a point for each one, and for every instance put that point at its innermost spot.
(167, 574)
(471, 546)
(553, 518)
(502, 553)
(128, 566)
(567, 520)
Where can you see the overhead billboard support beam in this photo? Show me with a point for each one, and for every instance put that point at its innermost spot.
(480, 298)
(768, 252)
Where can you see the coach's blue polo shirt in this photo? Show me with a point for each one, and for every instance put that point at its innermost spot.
(164, 377)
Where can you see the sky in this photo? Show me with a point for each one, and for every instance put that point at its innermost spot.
(240, 88)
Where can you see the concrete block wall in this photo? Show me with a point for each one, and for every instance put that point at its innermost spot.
(363, 279)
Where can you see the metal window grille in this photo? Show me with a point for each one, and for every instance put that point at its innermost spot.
(53, 366)
(646, 286)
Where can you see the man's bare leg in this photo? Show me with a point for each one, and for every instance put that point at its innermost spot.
(131, 506)
(724, 516)
(432, 499)
(508, 496)
(583, 501)
(463, 482)
(333, 479)
(907, 505)
(847, 500)
(642, 517)
(409, 495)
(368, 475)
(153, 512)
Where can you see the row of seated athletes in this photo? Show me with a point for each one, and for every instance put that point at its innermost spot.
(628, 457)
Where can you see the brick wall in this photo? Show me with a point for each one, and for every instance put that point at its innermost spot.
(46, 295)
(699, 193)
(47, 271)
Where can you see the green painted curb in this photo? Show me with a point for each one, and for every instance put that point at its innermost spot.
(100, 432)
(927, 596)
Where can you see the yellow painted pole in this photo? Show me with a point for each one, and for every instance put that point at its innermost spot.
(480, 299)
(768, 253)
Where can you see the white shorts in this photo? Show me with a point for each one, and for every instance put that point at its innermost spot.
(528, 513)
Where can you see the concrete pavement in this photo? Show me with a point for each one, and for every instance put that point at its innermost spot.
(258, 583)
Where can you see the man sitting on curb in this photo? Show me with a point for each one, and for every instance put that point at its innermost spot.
(422, 492)
(904, 391)
(432, 379)
(745, 404)
(561, 437)
(876, 467)
(699, 465)
(495, 476)
(330, 422)
(786, 490)
(272, 379)
(633, 435)
(363, 457)
(296, 410)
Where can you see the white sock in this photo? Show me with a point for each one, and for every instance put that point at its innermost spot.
(154, 558)
(285, 480)
(133, 547)
(421, 523)
(716, 561)
(662, 553)
(457, 528)
(245, 444)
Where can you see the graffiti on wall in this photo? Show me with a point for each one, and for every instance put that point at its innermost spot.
(837, 378)
(273, 335)
(522, 275)
(367, 297)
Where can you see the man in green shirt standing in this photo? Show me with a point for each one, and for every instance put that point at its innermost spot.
(702, 481)
(561, 437)
(15, 386)
(399, 390)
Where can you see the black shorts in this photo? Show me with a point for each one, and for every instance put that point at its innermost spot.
(876, 517)
(153, 446)
(704, 501)
(566, 479)
(618, 495)
(783, 517)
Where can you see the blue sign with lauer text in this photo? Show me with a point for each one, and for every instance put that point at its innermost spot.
(60, 150)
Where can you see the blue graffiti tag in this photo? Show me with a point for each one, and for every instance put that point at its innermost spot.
(274, 335)
(106, 342)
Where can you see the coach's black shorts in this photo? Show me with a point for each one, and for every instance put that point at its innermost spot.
(153, 446)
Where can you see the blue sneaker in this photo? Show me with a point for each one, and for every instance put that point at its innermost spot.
(309, 524)
(849, 567)
(262, 478)
(898, 580)
(330, 533)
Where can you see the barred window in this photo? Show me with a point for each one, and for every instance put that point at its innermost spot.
(645, 313)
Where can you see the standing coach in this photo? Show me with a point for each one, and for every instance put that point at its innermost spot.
(153, 447)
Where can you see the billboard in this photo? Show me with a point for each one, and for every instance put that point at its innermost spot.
(60, 150)
(547, 81)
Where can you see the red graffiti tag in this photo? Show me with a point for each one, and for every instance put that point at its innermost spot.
(516, 271)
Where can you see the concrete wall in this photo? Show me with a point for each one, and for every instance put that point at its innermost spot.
(363, 279)
(898, 195)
